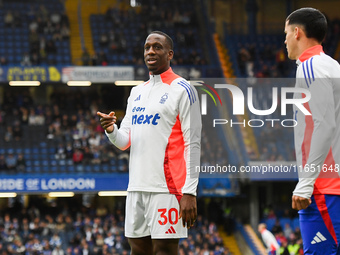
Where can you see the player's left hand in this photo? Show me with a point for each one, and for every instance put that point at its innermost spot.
(299, 203)
(188, 210)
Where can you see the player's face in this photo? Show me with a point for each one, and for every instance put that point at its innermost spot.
(290, 41)
(157, 54)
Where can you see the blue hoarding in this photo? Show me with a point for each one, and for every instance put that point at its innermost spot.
(51, 183)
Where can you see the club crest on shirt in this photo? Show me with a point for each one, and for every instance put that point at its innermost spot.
(163, 98)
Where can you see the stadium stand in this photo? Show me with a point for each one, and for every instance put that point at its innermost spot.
(56, 130)
(33, 33)
(266, 57)
(68, 230)
(118, 35)
(49, 138)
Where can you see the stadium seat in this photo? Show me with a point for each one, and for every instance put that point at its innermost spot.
(295, 223)
(270, 223)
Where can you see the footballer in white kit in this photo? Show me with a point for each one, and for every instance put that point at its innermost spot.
(162, 127)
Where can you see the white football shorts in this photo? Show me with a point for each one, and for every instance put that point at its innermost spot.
(153, 214)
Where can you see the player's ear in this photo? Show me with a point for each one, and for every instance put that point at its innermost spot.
(296, 32)
(170, 54)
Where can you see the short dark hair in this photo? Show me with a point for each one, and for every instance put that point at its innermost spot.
(167, 38)
(313, 21)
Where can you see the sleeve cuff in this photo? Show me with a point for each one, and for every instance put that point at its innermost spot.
(112, 136)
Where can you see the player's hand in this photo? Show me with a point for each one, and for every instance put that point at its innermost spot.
(188, 210)
(107, 121)
(299, 203)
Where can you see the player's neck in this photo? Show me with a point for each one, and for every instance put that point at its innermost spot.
(306, 44)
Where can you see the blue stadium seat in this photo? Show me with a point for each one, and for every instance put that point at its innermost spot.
(36, 169)
(29, 163)
(53, 169)
(46, 169)
(71, 168)
(28, 169)
(96, 168)
(270, 223)
(45, 163)
(105, 168)
(62, 168)
(295, 223)
(88, 168)
(284, 221)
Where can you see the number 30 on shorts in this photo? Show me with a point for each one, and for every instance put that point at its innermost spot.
(171, 215)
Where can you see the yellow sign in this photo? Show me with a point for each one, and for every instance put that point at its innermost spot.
(36, 73)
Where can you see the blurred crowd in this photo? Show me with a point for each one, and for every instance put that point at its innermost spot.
(270, 60)
(203, 239)
(180, 23)
(69, 122)
(45, 28)
(258, 65)
(88, 231)
(288, 237)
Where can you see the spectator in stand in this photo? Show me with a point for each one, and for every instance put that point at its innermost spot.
(88, 156)
(11, 162)
(55, 240)
(281, 60)
(284, 248)
(106, 156)
(43, 13)
(21, 163)
(57, 33)
(94, 140)
(277, 227)
(102, 58)
(35, 59)
(94, 59)
(58, 251)
(48, 28)
(9, 19)
(77, 156)
(3, 61)
(3, 165)
(69, 150)
(104, 40)
(287, 230)
(96, 155)
(85, 57)
(26, 60)
(55, 18)
(50, 47)
(8, 137)
(65, 32)
(60, 152)
(243, 61)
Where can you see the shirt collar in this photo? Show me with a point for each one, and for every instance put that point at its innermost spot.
(310, 52)
(163, 76)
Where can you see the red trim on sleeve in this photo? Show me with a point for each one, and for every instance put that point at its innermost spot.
(174, 162)
(307, 139)
(328, 181)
